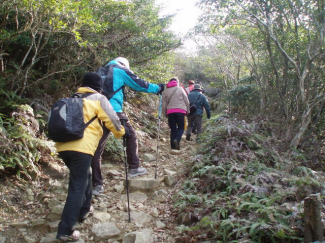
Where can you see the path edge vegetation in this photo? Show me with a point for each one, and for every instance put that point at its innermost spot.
(262, 151)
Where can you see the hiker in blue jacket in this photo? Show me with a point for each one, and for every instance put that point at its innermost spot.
(201, 102)
(120, 76)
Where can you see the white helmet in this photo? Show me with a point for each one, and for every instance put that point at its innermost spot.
(123, 61)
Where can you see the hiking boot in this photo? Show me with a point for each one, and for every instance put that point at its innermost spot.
(75, 236)
(188, 137)
(176, 144)
(137, 172)
(87, 215)
(98, 189)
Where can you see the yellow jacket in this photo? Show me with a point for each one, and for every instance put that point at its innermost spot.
(94, 104)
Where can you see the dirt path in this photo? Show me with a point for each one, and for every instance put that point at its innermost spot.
(28, 213)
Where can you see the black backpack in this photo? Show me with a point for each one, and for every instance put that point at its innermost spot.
(66, 119)
(106, 72)
(193, 106)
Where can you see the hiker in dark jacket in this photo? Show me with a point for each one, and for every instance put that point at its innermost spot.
(201, 103)
(77, 155)
(122, 76)
(175, 106)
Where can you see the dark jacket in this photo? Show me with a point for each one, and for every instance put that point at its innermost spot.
(200, 100)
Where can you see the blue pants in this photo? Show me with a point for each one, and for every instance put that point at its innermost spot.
(176, 125)
(80, 191)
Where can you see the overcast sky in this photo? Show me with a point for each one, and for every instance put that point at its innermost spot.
(186, 12)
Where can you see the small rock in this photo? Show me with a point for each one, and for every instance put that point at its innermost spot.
(22, 224)
(154, 212)
(148, 158)
(160, 224)
(144, 184)
(170, 180)
(104, 231)
(29, 239)
(54, 226)
(103, 217)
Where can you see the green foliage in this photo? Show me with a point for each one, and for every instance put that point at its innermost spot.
(278, 45)
(49, 45)
(114, 149)
(20, 149)
(9, 98)
(244, 99)
(246, 194)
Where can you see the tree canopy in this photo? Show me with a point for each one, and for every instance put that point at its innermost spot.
(48, 45)
(277, 47)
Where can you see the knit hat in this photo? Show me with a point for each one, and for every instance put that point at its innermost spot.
(175, 78)
(191, 82)
(92, 80)
(197, 86)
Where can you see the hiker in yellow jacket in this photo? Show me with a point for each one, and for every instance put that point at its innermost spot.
(77, 155)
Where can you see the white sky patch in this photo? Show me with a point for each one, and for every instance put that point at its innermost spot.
(187, 14)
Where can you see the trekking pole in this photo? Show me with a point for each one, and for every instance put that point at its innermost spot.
(159, 115)
(126, 172)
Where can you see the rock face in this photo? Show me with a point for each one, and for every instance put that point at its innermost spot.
(150, 203)
(105, 231)
(144, 184)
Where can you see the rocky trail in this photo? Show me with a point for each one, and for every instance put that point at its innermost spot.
(30, 212)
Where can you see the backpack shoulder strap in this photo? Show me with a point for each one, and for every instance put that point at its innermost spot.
(81, 95)
(108, 83)
(84, 95)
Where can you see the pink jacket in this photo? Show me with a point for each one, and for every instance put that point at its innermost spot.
(174, 99)
(189, 89)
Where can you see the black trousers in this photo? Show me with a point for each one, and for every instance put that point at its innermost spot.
(79, 193)
(131, 150)
(176, 124)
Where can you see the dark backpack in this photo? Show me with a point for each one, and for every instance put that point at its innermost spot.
(66, 119)
(193, 106)
(106, 72)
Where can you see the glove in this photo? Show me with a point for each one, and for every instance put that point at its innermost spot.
(127, 133)
(161, 89)
(209, 115)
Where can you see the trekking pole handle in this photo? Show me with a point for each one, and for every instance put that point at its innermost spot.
(124, 138)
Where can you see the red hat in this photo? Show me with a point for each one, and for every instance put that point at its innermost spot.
(191, 82)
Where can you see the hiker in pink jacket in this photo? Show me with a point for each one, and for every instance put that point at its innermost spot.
(175, 106)
(190, 87)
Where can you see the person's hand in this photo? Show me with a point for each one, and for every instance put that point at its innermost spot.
(127, 133)
(161, 89)
(208, 115)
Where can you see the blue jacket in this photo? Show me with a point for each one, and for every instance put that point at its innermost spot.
(123, 76)
(200, 103)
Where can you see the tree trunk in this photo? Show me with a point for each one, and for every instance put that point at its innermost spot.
(306, 119)
(312, 218)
